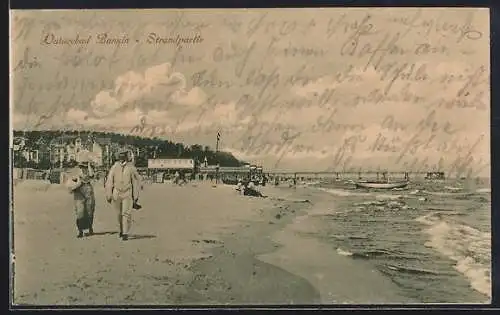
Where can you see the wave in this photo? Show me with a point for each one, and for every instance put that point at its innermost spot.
(307, 184)
(356, 237)
(468, 247)
(482, 199)
(382, 204)
(374, 253)
(448, 194)
(411, 270)
(380, 197)
(453, 188)
(483, 190)
(342, 252)
(388, 197)
(342, 192)
(382, 254)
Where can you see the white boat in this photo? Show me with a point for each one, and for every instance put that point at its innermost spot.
(382, 185)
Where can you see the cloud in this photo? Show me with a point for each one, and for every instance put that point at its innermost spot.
(122, 120)
(185, 118)
(160, 94)
(157, 87)
(195, 96)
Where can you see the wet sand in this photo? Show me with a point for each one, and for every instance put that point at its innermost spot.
(189, 245)
(338, 278)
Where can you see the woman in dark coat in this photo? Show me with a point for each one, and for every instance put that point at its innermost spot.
(84, 199)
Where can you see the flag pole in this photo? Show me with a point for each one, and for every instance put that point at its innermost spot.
(216, 159)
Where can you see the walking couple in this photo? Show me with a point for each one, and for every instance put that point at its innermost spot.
(122, 187)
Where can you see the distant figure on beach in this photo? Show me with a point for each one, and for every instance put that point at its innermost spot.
(251, 190)
(182, 178)
(83, 192)
(122, 190)
(177, 177)
(239, 186)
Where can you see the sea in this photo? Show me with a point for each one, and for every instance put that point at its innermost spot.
(432, 239)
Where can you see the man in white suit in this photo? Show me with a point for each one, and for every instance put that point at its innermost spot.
(122, 190)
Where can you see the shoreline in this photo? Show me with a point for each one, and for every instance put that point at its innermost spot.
(338, 279)
(250, 280)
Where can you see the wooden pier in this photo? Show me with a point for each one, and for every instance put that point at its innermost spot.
(310, 176)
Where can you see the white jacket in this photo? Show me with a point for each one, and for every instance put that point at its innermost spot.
(123, 181)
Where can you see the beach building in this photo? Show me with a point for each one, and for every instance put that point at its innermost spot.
(33, 152)
(162, 169)
(107, 158)
(67, 148)
(58, 148)
(21, 149)
(18, 148)
(19, 143)
(31, 155)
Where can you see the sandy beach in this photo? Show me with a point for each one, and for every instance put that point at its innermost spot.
(195, 244)
(201, 244)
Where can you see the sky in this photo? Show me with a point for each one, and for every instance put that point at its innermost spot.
(290, 89)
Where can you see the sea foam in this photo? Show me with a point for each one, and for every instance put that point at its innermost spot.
(483, 190)
(467, 246)
(342, 192)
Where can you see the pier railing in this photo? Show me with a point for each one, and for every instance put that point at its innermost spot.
(302, 175)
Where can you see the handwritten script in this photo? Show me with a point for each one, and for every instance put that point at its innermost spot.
(406, 89)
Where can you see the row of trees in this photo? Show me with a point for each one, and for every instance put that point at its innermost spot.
(148, 148)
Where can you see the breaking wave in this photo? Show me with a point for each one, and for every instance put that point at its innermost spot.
(468, 247)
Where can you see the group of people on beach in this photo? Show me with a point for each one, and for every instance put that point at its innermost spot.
(122, 188)
(248, 189)
(179, 178)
